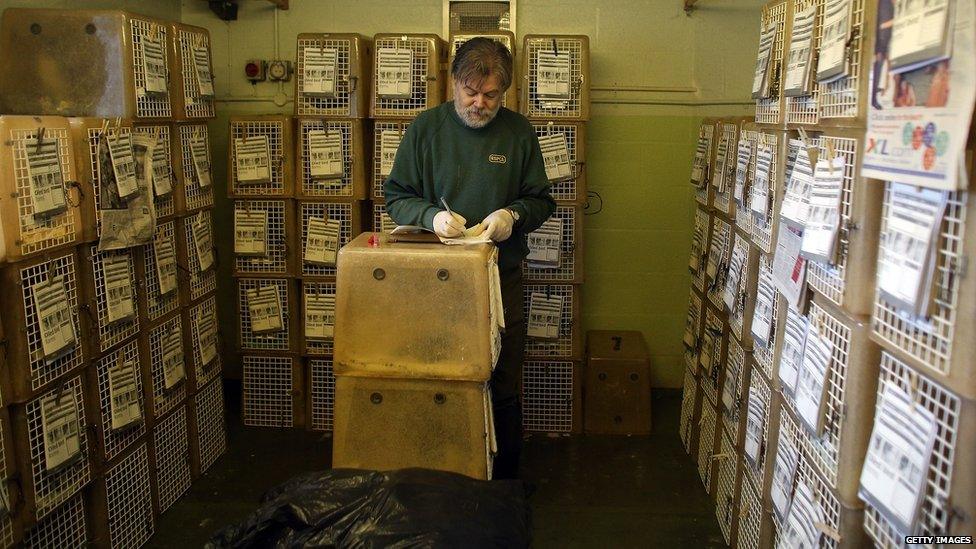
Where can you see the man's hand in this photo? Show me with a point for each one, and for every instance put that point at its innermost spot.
(498, 225)
(448, 225)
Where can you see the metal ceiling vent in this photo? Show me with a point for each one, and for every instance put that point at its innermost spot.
(478, 16)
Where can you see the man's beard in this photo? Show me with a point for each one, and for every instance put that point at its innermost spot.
(474, 117)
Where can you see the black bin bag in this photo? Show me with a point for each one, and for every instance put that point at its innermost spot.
(406, 508)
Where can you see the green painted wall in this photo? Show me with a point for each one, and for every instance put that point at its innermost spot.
(163, 9)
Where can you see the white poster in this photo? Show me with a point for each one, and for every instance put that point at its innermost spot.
(918, 123)
(319, 70)
(545, 316)
(124, 406)
(46, 180)
(264, 306)
(394, 79)
(117, 273)
(59, 423)
(794, 344)
(319, 316)
(832, 64)
(545, 245)
(898, 458)
(555, 156)
(811, 382)
(784, 472)
(54, 317)
(823, 216)
(326, 158)
(201, 66)
(322, 241)
(251, 232)
(252, 159)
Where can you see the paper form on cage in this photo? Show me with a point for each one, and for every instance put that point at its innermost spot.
(796, 197)
(165, 257)
(906, 261)
(54, 317)
(394, 78)
(124, 405)
(784, 471)
(59, 425)
(755, 424)
(46, 179)
(154, 63)
(123, 163)
(921, 34)
(264, 306)
(898, 459)
(201, 66)
(692, 321)
(798, 81)
(162, 171)
(251, 232)
(131, 221)
(203, 241)
(696, 260)
(730, 294)
(762, 317)
(699, 167)
(118, 278)
(545, 244)
(205, 328)
(545, 316)
(718, 174)
(319, 316)
(833, 61)
(555, 156)
(811, 381)
(553, 71)
(319, 70)
(746, 150)
(717, 250)
(322, 241)
(389, 143)
(820, 231)
(326, 158)
(711, 347)
(729, 401)
(760, 185)
(761, 77)
(252, 159)
(794, 344)
(174, 370)
(201, 161)
(789, 269)
(800, 529)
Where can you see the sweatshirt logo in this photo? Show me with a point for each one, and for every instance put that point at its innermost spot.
(497, 158)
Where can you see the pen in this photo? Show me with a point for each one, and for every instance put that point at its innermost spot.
(446, 207)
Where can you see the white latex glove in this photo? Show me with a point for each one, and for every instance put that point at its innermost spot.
(448, 225)
(498, 225)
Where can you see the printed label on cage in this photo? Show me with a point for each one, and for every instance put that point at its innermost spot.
(251, 232)
(545, 244)
(201, 66)
(54, 318)
(174, 370)
(811, 380)
(761, 80)
(784, 470)
(755, 423)
(326, 159)
(545, 316)
(165, 263)
(205, 325)
(690, 338)
(718, 174)
(154, 63)
(699, 167)
(555, 156)
(789, 269)
(796, 197)
(59, 423)
(319, 70)
(921, 34)
(389, 143)
(116, 269)
(322, 241)
(201, 161)
(744, 156)
(131, 221)
(801, 527)
(762, 316)
(123, 163)
(264, 305)
(798, 63)
(794, 344)
(909, 246)
(730, 295)
(697, 258)
(832, 63)
(203, 241)
(252, 159)
(898, 457)
(823, 217)
(394, 78)
(46, 180)
(162, 171)
(708, 357)
(716, 253)
(730, 398)
(123, 392)
(553, 72)
(760, 187)
(319, 316)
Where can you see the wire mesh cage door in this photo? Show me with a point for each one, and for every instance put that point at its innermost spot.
(556, 77)
(343, 57)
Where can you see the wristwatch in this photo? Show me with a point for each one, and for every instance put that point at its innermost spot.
(515, 214)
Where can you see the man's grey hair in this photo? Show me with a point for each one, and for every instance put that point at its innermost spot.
(480, 57)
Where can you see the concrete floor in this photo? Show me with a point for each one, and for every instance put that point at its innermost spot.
(590, 491)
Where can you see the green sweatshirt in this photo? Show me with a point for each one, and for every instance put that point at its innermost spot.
(477, 171)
